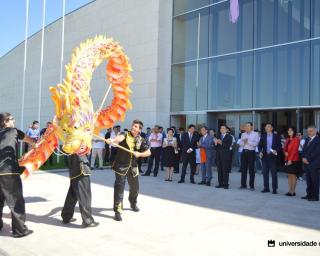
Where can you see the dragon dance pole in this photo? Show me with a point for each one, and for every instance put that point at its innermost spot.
(113, 144)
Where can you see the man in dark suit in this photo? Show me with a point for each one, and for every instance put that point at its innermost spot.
(269, 149)
(223, 157)
(189, 144)
(311, 163)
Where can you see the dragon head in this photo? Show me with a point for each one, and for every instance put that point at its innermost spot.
(74, 122)
(76, 137)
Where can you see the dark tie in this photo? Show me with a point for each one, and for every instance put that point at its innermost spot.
(190, 137)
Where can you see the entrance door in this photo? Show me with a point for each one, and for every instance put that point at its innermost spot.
(282, 119)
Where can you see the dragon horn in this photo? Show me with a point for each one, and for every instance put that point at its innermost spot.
(55, 96)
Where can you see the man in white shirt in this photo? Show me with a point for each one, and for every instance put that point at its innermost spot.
(240, 149)
(155, 140)
(249, 141)
(97, 150)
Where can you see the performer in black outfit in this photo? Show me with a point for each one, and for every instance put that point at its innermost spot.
(10, 182)
(79, 191)
(126, 166)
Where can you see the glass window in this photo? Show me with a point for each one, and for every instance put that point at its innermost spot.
(185, 37)
(230, 82)
(315, 73)
(204, 33)
(226, 37)
(181, 6)
(281, 21)
(281, 76)
(315, 10)
(202, 89)
(183, 96)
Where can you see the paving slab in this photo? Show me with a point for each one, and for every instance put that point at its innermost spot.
(175, 219)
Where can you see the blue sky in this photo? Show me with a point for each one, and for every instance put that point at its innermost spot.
(13, 15)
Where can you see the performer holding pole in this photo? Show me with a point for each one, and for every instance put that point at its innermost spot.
(79, 191)
(10, 181)
(125, 166)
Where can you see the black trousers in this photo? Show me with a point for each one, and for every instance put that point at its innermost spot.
(106, 155)
(312, 178)
(269, 164)
(79, 191)
(223, 168)
(155, 155)
(248, 158)
(177, 162)
(11, 192)
(119, 185)
(191, 160)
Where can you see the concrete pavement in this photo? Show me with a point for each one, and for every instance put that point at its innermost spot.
(175, 219)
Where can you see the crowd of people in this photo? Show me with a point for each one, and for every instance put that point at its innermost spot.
(203, 150)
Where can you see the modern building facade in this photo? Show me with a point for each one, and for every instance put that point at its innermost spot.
(142, 27)
(265, 67)
(190, 63)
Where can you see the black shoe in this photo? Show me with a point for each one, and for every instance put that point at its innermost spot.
(226, 187)
(28, 232)
(289, 194)
(181, 181)
(135, 208)
(202, 183)
(68, 221)
(208, 183)
(219, 186)
(167, 180)
(155, 175)
(192, 182)
(313, 199)
(265, 191)
(274, 191)
(117, 216)
(146, 174)
(91, 225)
(305, 197)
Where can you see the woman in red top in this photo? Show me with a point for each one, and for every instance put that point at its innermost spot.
(293, 164)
